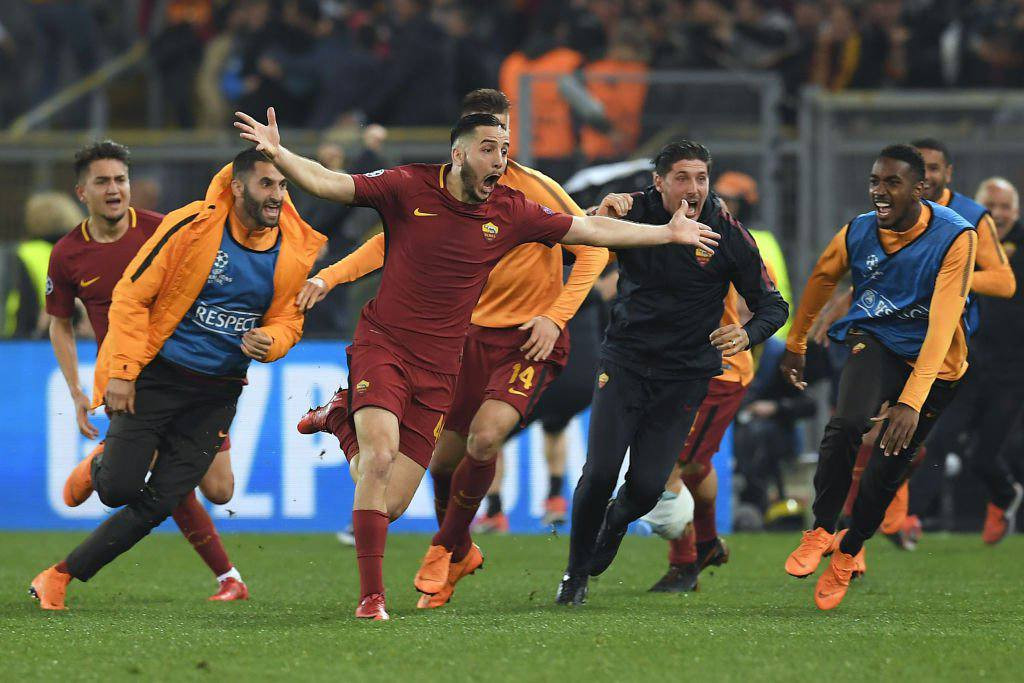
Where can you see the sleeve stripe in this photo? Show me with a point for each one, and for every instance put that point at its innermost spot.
(160, 245)
(969, 266)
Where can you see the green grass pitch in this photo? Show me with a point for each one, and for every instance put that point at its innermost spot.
(950, 611)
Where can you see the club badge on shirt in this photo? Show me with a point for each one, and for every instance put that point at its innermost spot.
(602, 379)
(703, 255)
(490, 231)
(363, 386)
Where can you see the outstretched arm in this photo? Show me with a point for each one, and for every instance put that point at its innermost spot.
(305, 173)
(603, 231)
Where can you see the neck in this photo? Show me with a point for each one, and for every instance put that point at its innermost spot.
(909, 220)
(453, 182)
(105, 230)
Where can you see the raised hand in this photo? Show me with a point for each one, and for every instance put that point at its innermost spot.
(616, 205)
(688, 231)
(266, 137)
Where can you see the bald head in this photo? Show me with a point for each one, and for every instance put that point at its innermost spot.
(1000, 197)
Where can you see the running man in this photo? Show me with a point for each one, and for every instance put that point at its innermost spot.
(86, 264)
(446, 227)
(911, 263)
(213, 289)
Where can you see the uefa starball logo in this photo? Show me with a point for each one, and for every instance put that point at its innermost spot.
(220, 264)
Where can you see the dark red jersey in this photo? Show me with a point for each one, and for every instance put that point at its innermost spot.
(439, 252)
(81, 267)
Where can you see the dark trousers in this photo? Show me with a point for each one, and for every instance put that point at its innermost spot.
(651, 417)
(871, 376)
(185, 418)
(976, 427)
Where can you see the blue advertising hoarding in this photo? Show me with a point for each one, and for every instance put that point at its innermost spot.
(284, 481)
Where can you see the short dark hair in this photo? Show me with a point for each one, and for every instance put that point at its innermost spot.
(908, 154)
(245, 161)
(678, 151)
(485, 100)
(471, 122)
(102, 149)
(937, 145)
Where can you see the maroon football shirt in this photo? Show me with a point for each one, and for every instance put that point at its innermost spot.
(81, 267)
(439, 252)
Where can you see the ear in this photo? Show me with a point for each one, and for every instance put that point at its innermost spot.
(80, 193)
(458, 155)
(657, 182)
(237, 188)
(918, 191)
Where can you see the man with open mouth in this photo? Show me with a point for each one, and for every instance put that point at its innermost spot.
(911, 262)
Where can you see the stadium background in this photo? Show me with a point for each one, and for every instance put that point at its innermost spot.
(798, 94)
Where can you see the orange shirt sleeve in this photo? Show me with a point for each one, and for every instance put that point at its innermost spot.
(366, 259)
(590, 262)
(831, 266)
(994, 276)
(947, 306)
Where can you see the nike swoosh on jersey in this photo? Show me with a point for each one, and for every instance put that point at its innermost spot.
(516, 391)
(417, 212)
(222, 435)
(86, 283)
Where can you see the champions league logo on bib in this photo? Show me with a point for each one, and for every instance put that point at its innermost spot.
(220, 264)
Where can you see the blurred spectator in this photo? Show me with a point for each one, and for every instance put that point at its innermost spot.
(352, 44)
(68, 42)
(870, 54)
(552, 140)
(617, 82)
(23, 282)
(416, 86)
(991, 43)
(176, 51)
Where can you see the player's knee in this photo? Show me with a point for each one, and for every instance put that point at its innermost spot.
(375, 463)
(484, 443)
(219, 491)
(846, 428)
(115, 492)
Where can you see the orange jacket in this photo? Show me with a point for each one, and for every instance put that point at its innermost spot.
(623, 100)
(552, 134)
(162, 282)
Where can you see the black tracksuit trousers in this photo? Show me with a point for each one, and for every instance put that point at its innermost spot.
(182, 416)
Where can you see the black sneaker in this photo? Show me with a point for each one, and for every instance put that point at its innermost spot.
(572, 590)
(680, 578)
(606, 547)
(716, 555)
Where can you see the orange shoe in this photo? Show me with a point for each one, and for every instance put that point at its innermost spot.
(78, 486)
(556, 511)
(49, 588)
(491, 524)
(433, 573)
(230, 589)
(372, 607)
(834, 581)
(861, 567)
(998, 521)
(896, 513)
(473, 561)
(805, 559)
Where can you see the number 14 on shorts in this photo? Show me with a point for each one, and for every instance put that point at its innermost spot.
(522, 375)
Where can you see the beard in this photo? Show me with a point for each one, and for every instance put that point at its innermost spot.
(254, 209)
(469, 182)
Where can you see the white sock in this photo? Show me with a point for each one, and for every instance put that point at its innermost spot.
(230, 574)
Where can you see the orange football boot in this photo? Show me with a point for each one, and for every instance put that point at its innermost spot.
(372, 607)
(473, 561)
(805, 559)
(998, 521)
(896, 513)
(78, 486)
(433, 572)
(834, 581)
(230, 589)
(490, 524)
(49, 588)
(861, 567)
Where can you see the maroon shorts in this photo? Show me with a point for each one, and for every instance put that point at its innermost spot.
(379, 377)
(714, 416)
(493, 367)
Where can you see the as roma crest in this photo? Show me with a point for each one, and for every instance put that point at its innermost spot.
(363, 386)
(703, 255)
(490, 231)
(602, 379)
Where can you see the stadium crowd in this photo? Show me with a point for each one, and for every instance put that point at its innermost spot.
(210, 57)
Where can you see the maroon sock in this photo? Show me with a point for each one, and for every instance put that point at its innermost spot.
(470, 482)
(197, 528)
(683, 550)
(370, 527)
(704, 521)
(442, 490)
